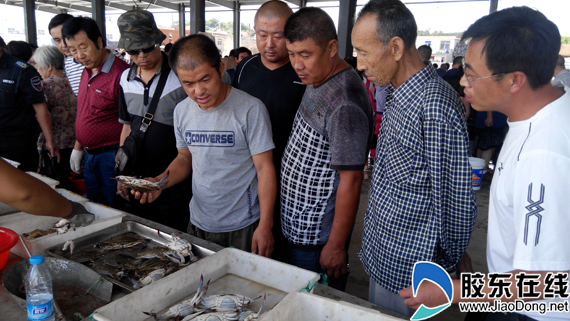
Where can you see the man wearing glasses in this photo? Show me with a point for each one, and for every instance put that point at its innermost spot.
(528, 208)
(97, 129)
(421, 204)
(141, 38)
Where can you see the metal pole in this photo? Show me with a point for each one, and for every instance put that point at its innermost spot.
(181, 20)
(494, 4)
(347, 11)
(197, 16)
(98, 14)
(237, 24)
(303, 4)
(30, 15)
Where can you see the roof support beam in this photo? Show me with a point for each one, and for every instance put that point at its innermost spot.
(494, 5)
(197, 16)
(65, 5)
(161, 3)
(237, 24)
(56, 10)
(182, 20)
(298, 3)
(114, 5)
(30, 21)
(223, 3)
(347, 10)
(98, 14)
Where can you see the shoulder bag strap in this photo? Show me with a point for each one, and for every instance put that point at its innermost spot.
(147, 119)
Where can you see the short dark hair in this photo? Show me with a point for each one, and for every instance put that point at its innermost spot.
(191, 51)
(2, 44)
(435, 65)
(310, 22)
(232, 53)
(393, 19)
(58, 19)
(76, 24)
(425, 52)
(168, 47)
(242, 50)
(351, 60)
(560, 61)
(515, 39)
(458, 60)
(20, 49)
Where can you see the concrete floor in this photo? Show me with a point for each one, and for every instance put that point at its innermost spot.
(358, 279)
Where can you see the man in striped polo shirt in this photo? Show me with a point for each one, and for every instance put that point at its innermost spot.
(72, 68)
(141, 38)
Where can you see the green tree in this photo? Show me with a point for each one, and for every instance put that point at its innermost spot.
(565, 40)
(212, 24)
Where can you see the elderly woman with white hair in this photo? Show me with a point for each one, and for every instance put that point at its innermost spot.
(62, 105)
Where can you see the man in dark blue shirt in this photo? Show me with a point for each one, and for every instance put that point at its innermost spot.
(22, 107)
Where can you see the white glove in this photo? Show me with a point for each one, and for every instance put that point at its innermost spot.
(75, 160)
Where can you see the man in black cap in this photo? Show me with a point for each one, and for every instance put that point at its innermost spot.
(139, 84)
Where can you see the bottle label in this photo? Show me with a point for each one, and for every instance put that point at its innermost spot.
(40, 312)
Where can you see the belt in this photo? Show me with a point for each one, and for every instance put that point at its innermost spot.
(99, 150)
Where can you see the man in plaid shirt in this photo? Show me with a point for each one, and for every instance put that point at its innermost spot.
(321, 171)
(421, 205)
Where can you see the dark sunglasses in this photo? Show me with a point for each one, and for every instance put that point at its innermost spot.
(145, 51)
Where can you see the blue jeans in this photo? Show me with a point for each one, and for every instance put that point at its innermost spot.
(98, 171)
(310, 260)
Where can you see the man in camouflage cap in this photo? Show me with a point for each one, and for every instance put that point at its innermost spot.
(141, 39)
(138, 30)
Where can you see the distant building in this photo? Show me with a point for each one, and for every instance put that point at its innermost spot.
(224, 41)
(172, 35)
(441, 46)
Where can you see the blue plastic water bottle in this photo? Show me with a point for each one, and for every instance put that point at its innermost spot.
(39, 291)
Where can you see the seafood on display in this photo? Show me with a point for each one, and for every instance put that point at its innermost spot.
(70, 244)
(108, 270)
(122, 241)
(37, 233)
(153, 276)
(63, 226)
(181, 249)
(139, 184)
(229, 315)
(223, 301)
(225, 307)
(184, 308)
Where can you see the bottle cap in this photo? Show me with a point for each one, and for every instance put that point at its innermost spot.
(36, 259)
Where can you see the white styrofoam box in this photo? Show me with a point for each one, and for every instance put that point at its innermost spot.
(23, 222)
(72, 196)
(50, 181)
(305, 306)
(5, 208)
(11, 162)
(229, 271)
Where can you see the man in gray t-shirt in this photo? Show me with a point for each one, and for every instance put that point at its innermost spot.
(322, 166)
(223, 136)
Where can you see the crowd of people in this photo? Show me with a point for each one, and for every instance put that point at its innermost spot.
(266, 152)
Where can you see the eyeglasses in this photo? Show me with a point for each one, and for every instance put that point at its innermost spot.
(471, 80)
(145, 51)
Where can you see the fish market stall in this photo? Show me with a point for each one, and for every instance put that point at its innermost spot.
(155, 270)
